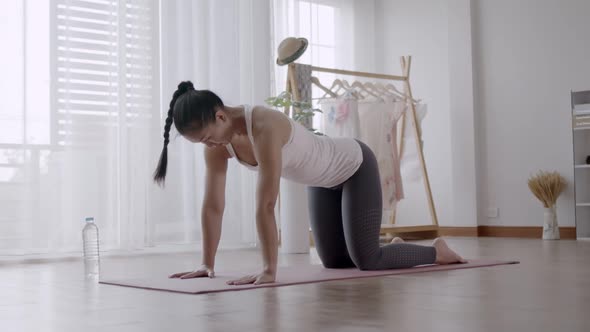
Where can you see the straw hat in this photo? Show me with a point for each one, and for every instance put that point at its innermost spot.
(290, 49)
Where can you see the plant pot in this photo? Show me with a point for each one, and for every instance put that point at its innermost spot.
(550, 226)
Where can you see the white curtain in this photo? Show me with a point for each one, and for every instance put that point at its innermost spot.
(83, 101)
(85, 90)
(223, 46)
(340, 34)
(79, 101)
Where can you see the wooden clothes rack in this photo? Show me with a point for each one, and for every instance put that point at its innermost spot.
(405, 61)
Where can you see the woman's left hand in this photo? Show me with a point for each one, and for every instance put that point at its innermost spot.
(256, 279)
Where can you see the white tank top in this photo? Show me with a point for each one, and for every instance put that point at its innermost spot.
(310, 159)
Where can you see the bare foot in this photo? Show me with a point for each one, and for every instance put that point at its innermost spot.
(444, 254)
(397, 240)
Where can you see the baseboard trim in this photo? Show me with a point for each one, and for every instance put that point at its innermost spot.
(532, 232)
(458, 231)
(529, 232)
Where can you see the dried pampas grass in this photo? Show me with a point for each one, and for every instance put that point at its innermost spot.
(547, 186)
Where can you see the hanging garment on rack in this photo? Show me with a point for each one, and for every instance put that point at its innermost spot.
(378, 123)
(410, 164)
(303, 77)
(340, 117)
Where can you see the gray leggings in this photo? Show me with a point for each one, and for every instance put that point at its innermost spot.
(346, 221)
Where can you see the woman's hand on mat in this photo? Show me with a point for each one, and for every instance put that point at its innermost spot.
(256, 279)
(201, 272)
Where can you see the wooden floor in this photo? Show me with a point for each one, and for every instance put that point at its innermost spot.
(548, 291)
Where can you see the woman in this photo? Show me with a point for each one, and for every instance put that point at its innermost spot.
(344, 193)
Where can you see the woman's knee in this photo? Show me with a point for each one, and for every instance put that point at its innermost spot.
(365, 265)
(337, 262)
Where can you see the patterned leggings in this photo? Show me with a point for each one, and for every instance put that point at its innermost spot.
(346, 221)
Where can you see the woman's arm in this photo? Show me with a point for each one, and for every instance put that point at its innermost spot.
(268, 153)
(213, 202)
(212, 212)
(271, 132)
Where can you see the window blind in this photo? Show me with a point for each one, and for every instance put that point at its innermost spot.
(105, 69)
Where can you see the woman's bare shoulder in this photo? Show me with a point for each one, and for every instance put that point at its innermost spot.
(267, 120)
(216, 155)
(261, 113)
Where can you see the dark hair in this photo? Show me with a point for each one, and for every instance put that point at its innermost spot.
(190, 109)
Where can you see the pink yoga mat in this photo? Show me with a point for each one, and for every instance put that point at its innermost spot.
(290, 275)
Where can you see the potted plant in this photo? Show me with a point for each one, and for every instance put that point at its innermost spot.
(547, 186)
(304, 111)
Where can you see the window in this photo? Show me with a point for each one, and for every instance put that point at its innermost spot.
(79, 87)
(105, 60)
(316, 21)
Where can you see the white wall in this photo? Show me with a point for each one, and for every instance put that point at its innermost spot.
(462, 117)
(419, 28)
(363, 23)
(528, 55)
(496, 76)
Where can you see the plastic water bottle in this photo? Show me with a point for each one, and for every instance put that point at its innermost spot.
(91, 250)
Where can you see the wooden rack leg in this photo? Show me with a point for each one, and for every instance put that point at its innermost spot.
(406, 63)
(288, 88)
(401, 135)
(294, 85)
(400, 148)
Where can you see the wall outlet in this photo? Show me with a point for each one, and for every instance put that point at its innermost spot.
(493, 212)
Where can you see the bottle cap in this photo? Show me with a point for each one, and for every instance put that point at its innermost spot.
(89, 219)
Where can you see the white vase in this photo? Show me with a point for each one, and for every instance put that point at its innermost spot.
(294, 218)
(550, 226)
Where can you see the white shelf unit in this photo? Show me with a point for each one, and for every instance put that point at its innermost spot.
(580, 109)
